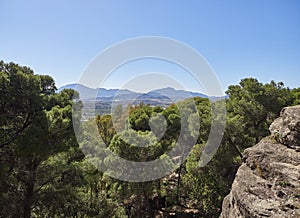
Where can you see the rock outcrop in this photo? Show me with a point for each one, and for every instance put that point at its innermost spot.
(286, 128)
(267, 184)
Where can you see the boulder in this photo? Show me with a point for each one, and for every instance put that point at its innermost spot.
(286, 128)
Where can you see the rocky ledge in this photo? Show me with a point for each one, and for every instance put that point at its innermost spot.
(267, 184)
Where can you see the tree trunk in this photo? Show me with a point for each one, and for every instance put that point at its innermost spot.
(158, 194)
(28, 199)
(178, 185)
(29, 184)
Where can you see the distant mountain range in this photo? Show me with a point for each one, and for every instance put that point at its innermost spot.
(87, 93)
(102, 99)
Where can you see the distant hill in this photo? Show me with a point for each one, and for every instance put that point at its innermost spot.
(102, 99)
(87, 93)
(178, 94)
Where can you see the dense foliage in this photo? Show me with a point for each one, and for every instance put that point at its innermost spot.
(43, 172)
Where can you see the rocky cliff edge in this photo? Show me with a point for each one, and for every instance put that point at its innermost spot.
(267, 184)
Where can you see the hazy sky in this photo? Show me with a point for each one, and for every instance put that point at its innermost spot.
(239, 39)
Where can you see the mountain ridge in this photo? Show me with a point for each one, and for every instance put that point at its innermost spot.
(101, 100)
(90, 93)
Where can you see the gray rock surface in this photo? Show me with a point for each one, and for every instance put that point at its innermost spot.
(267, 184)
(286, 128)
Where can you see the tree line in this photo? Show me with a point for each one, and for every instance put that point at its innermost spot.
(44, 173)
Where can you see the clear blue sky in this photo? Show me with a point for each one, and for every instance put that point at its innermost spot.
(239, 39)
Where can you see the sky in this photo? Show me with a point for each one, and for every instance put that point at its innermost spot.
(239, 39)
